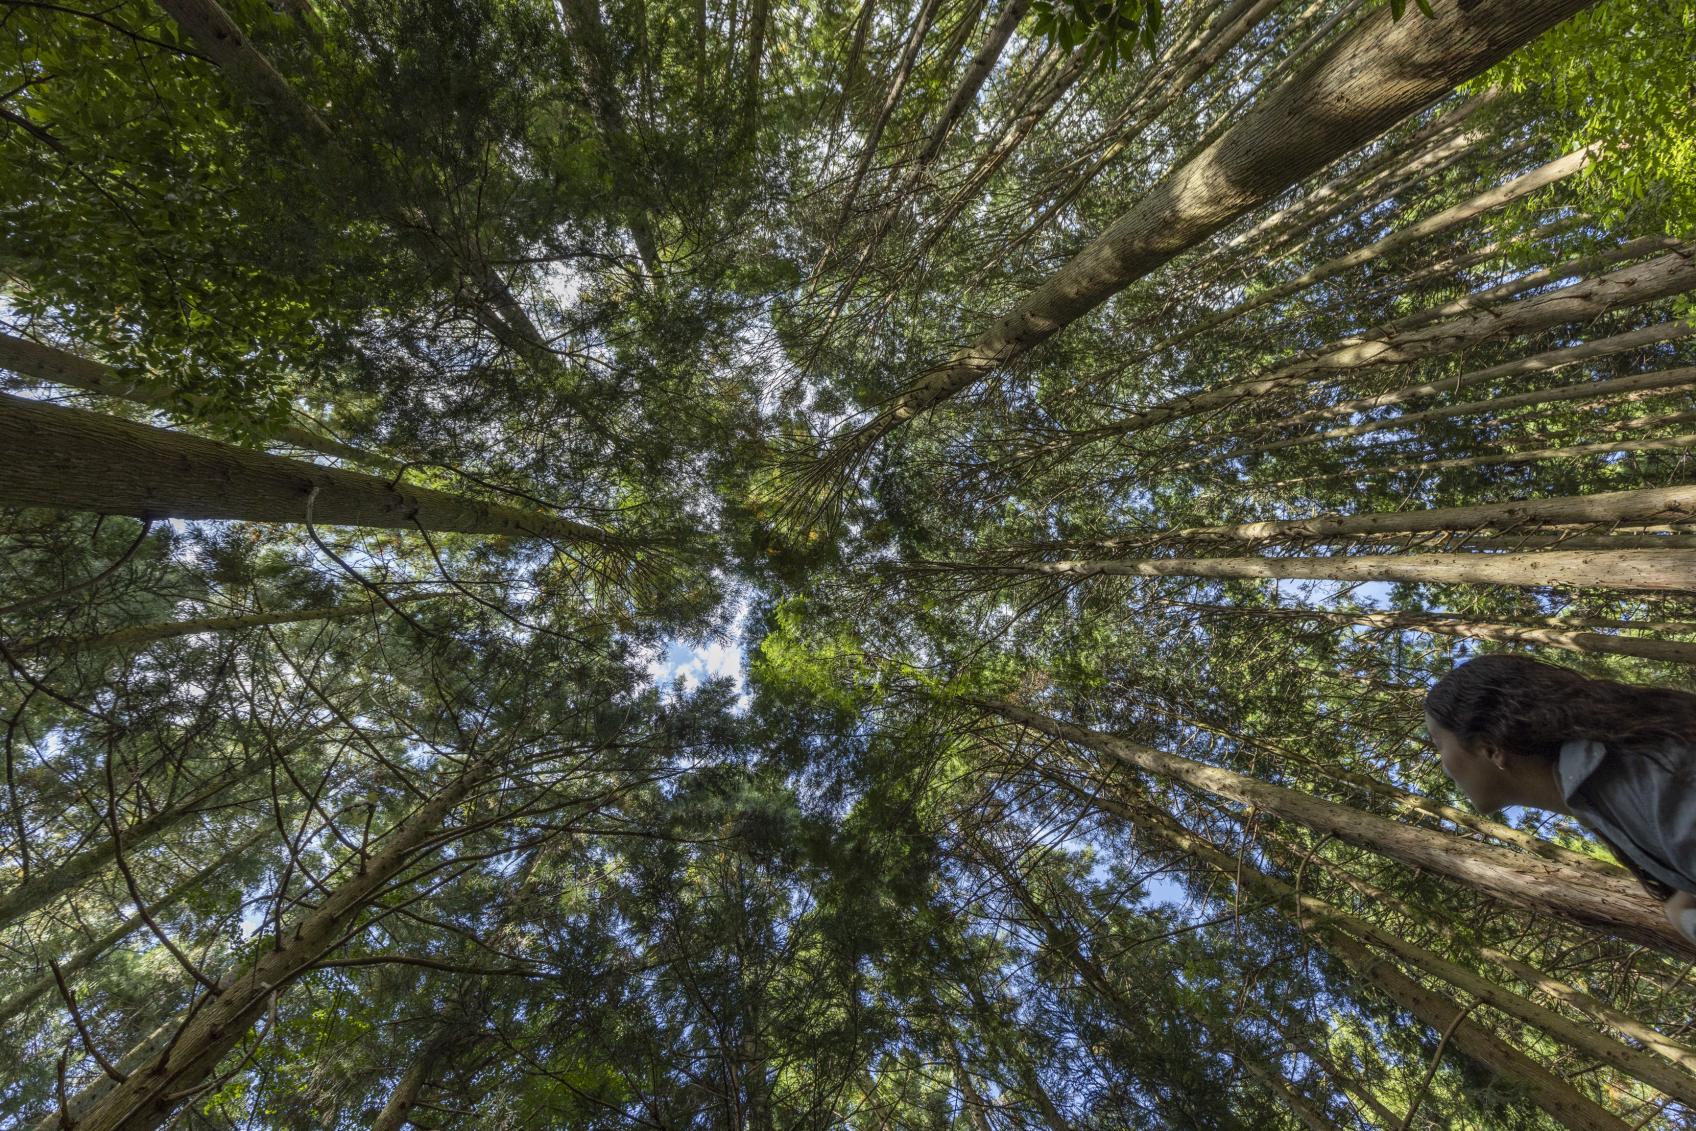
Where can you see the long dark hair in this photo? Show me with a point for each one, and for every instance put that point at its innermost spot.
(1525, 706)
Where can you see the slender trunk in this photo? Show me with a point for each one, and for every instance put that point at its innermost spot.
(34, 991)
(1546, 362)
(1669, 275)
(1615, 905)
(1309, 1116)
(1387, 1119)
(152, 1092)
(1524, 455)
(976, 71)
(75, 460)
(965, 94)
(1663, 379)
(1378, 74)
(44, 363)
(142, 634)
(1648, 505)
(868, 152)
(91, 861)
(1536, 980)
(1624, 570)
(1670, 651)
(397, 1111)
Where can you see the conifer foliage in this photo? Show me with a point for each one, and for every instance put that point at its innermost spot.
(753, 566)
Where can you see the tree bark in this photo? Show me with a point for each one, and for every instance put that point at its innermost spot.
(44, 363)
(1663, 379)
(1523, 455)
(153, 1091)
(397, 1111)
(1647, 505)
(1546, 362)
(1615, 905)
(76, 460)
(1625, 570)
(1664, 277)
(1373, 77)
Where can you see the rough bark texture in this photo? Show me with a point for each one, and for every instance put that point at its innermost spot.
(1615, 905)
(1673, 570)
(1646, 506)
(1368, 81)
(76, 460)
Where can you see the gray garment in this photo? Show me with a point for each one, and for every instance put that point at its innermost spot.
(1644, 804)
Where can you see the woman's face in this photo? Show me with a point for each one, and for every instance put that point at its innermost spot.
(1486, 783)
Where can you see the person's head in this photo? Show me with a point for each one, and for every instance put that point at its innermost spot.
(1499, 722)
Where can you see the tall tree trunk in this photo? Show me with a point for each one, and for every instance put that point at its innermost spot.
(153, 1091)
(397, 1111)
(1545, 362)
(44, 363)
(1615, 905)
(1372, 78)
(139, 635)
(1662, 379)
(1646, 505)
(1670, 651)
(1664, 277)
(1625, 570)
(76, 460)
(1526, 455)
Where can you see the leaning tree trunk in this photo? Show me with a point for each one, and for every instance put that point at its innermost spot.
(1625, 570)
(1616, 905)
(1645, 506)
(1461, 213)
(75, 460)
(1669, 275)
(1669, 651)
(146, 1099)
(397, 1111)
(1375, 76)
(1545, 362)
(1637, 382)
(44, 363)
(1533, 455)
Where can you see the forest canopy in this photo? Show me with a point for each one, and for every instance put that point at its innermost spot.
(747, 566)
